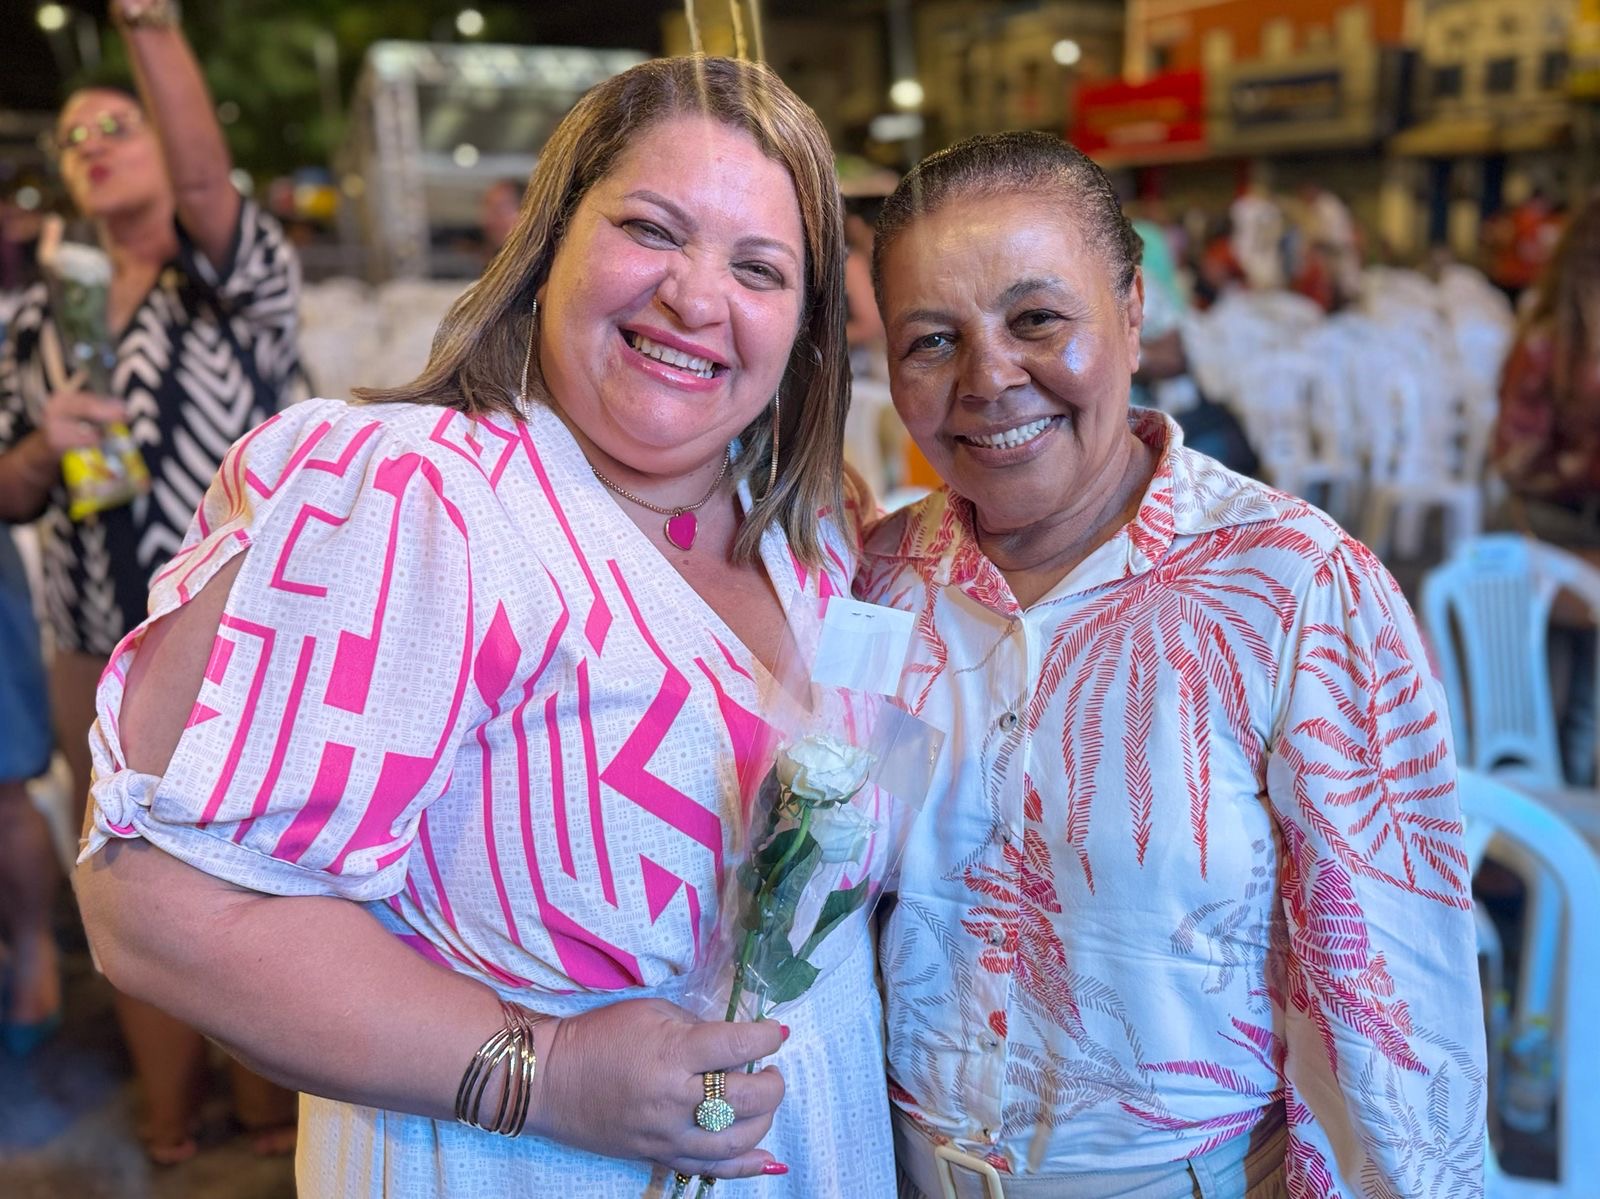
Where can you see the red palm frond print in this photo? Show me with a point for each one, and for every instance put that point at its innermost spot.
(1031, 949)
(1142, 682)
(1307, 1171)
(1370, 765)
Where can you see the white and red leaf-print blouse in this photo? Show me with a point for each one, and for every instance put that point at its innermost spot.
(1194, 851)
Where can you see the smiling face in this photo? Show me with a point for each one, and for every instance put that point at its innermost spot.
(110, 173)
(1011, 354)
(675, 297)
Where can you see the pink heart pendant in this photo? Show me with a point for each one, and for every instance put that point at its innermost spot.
(680, 530)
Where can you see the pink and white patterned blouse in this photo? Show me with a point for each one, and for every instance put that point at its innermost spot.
(455, 683)
(1195, 851)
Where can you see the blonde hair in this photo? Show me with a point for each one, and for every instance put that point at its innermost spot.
(476, 360)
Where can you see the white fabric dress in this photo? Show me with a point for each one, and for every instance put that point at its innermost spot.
(454, 684)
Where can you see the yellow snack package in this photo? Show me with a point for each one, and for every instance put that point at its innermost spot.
(104, 476)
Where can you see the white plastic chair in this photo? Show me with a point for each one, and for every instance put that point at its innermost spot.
(1426, 450)
(1487, 615)
(1463, 284)
(1493, 598)
(1508, 825)
(1290, 403)
(1383, 286)
(1233, 333)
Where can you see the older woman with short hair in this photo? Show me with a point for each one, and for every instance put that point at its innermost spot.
(415, 790)
(1189, 914)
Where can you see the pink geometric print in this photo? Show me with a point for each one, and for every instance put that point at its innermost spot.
(628, 772)
(439, 686)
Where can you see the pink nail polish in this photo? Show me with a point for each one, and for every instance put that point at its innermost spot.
(774, 1168)
(784, 1029)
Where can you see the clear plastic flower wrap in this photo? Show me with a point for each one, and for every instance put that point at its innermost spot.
(827, 826)
(824, 828)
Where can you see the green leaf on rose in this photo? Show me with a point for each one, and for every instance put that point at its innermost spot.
(789, 887)
(785, 976)
(835, 908)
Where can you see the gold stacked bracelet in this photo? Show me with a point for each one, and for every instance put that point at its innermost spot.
(513, 1048)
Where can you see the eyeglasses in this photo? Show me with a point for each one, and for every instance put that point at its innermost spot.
(108, 125)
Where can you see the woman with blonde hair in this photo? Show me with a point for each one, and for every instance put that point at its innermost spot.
(415, 788)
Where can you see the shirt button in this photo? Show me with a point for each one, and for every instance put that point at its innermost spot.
(997, 936)
(1008, 722)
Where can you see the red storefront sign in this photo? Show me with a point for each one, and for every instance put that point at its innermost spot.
(1158, 120)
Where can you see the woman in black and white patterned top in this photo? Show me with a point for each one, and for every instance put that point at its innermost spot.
(203, 305)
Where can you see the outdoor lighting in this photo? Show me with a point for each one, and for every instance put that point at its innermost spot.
(1066, 52)
(28, 198)
(465, 155)
(52, 17)
(895, 127)
(469, 22)
(906, 93)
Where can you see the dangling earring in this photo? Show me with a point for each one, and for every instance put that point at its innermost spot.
(772, 472)
(527, 360)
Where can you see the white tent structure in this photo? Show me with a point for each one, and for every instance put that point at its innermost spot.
(433, 125)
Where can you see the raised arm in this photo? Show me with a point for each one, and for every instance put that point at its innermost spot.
(179, 106)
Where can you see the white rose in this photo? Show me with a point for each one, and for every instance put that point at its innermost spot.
(842, 833)
(823, 769)
(83, 265)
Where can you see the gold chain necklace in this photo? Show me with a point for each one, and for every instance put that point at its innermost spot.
(681, 523)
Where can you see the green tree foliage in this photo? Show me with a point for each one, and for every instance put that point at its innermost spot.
(288, 66)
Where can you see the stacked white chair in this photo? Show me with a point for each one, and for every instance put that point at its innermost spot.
(411, 310)
(1291, 404)
(1493, 599)
(1394, 422)
(1234, 332)
(1426, 444)
(352, 335)
(1385, 288)
(1505, 825)
(1487, 614)
(341, 335)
